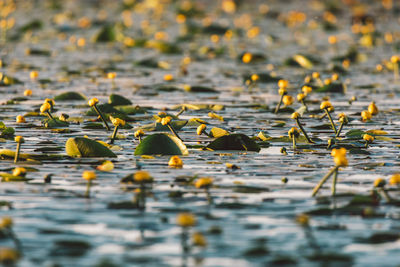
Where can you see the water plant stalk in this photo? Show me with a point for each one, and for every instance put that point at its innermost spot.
(323, 180)
(101, 117)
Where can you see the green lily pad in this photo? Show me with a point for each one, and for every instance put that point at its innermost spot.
(118, 100)
(234, 142)
(7, 177)
(301, 60)
(132, 110)
(51, 123)
(70, 96)
(85, 147)
(200, 89)
(161, 144)
(157, 126)
(31, 26)
(38, 52)
(331, 88)
(255, 57)
(8, 80)
(106, 34)
(218, 132)
(263, 77)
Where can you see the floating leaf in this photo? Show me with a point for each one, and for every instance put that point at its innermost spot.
(263, 136)
(7, 177)
(106, 34)
(38, 52)
(263, 77)
(376, 132)
(161, 144)
(70, 96)
(118, 100)
(199, 89)
(234, 142)
(218, 132)
(106, 166)
(51, 123)
(157, 126)
(85, 147)
(331, 88)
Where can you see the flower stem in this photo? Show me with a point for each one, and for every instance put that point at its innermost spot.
(49, 114)
(294, 142)
(114, 134)
(101, 116)
(173, 131)
(180, 112)
(331, 120)
(335, 175)
(396, 71)
(385, 195)
(279, 104)
(340, 129)
(87, 193)
(323, 180)
(17, 152)
(303, 131)
(184, 240)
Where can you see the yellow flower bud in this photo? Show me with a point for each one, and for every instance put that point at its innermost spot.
(315, 75)
(185, 219)
(204, 182)
(168, 77)
(201, 129)
(295, 115)
(255, 77)
(117, 122)
(341, 161)
(300, 97)
(93, 101)
(199, 240)
(283, 83)
(282, 91)
(8, 255)
(247, 57)
(368, 138)
(395, 59)
(287, 100)
(306, 89)
(325, 105)
(19, 171)
(34, 74)
(293, 132)
(111, 75)
(379, 182)
(28, 92)
(142, 177)
(175, 162)
(6, 222)
(166, 120)
(373, 109)
(335, 77)
(366, 115)
(45, 107)
(395, 179)
(138, 133)
(338, 152)
(20, 119)
(303, 219)
(327, 81)
(19, 139)
(89, 175)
